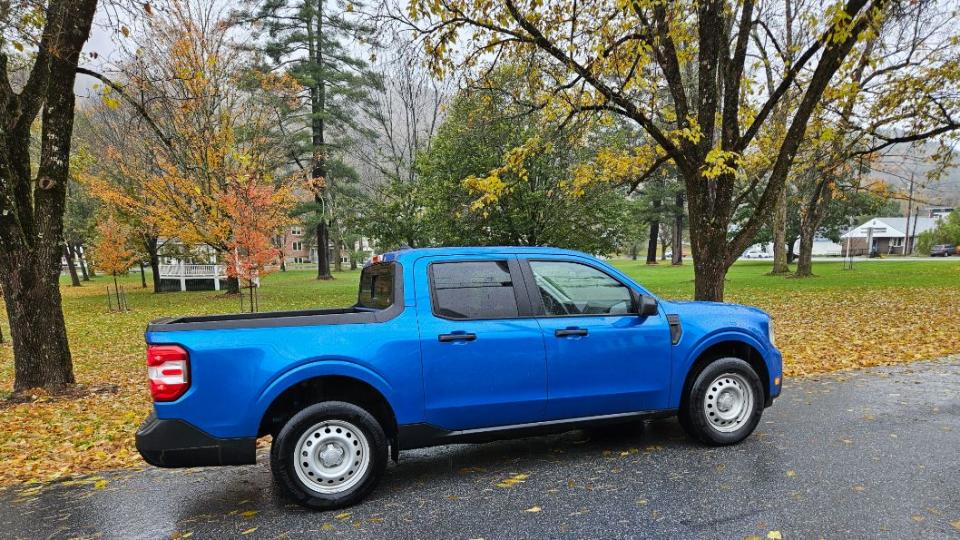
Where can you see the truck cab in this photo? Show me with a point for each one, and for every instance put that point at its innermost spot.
(449, 345)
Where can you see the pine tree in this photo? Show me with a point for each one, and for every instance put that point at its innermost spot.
(315, 42)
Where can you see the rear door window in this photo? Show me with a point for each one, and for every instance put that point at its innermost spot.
(473, 290)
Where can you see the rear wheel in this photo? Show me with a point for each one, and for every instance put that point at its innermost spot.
(724, 404)
(329, 455)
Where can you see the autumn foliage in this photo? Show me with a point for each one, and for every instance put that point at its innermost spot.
(255, 213)
(112, 253)
(203, 169)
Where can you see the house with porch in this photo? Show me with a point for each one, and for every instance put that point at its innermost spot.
(886, 235)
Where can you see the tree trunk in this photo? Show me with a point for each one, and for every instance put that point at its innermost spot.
(143, 276)
(78, 250)
(323, 250)
(116, 289)
(91, 271)
(652, 242)
(337, 249)
(152, 243)
(816, 209)
(68, 255)
(678, 231)
(709, 277)
(233, 285)
(31, 220)
(37, 329)
(709, 248)
(779, 226)
(318, 108)
(353, 261)
(805, 258)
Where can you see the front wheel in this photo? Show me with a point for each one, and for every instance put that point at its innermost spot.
(724, 404)
(329, 455)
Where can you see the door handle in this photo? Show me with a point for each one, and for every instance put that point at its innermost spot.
(564, 332)
(456, 336)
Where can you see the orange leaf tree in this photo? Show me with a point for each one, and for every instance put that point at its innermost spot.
(256, 212)
(112, 253)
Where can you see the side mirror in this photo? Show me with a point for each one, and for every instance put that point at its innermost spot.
(643, 305)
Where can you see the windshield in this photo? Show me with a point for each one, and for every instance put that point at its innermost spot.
(376, 286)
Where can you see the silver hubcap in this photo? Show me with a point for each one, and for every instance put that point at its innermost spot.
(728, 402)
(332, 456)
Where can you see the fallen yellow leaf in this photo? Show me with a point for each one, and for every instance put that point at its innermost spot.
(248, 514)
(791, 473)
(533, 509)
(248, 531)
(774, 535)
(512, 481)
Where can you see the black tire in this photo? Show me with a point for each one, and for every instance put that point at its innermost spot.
(284, 458)
(692, 413)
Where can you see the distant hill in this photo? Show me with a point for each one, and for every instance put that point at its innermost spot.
(902, 160)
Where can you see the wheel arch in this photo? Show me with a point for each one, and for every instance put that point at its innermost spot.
(734, 344)
(325, 382)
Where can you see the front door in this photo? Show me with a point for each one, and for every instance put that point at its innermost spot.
(483, 363)
(601, 358)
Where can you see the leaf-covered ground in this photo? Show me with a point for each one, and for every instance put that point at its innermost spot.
(879, 313)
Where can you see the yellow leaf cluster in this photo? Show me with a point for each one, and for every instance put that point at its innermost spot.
(489, 188)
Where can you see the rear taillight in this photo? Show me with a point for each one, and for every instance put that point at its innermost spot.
(168, 369)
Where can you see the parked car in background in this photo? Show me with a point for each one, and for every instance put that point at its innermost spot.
(943, 250)
(449, 345)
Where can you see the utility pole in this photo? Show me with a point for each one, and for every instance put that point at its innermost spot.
(916, 216)
(907, 247)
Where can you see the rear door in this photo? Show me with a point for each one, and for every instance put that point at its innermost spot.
(483, 355)
(601, 359)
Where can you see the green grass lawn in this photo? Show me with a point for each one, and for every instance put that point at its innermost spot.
(878, 313)
(753, 276)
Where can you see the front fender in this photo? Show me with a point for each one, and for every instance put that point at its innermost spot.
(719, 336)
(319, 367)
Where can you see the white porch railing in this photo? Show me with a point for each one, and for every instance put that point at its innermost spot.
(183, 272)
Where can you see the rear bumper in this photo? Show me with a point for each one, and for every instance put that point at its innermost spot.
(175, 443)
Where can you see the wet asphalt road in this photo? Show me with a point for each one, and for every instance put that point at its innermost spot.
(869, 454)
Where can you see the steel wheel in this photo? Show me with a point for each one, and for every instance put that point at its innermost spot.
(332, 456)
(728, 403)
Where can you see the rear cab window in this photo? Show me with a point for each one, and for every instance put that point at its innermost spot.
(467, 290)
(377, 286)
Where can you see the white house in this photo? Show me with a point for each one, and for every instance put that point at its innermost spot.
(886, 235)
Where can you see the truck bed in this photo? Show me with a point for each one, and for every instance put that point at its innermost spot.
(310, 317)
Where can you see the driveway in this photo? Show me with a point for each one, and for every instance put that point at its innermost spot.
(867, 454)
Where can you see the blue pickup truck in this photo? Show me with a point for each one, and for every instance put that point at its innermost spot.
(449, 345)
